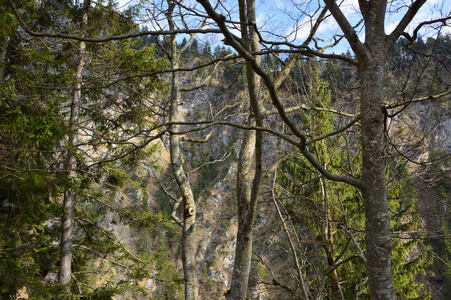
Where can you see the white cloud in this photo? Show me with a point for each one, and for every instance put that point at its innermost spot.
(123, 4)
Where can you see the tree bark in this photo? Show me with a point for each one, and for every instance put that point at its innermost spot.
(65, 267)
(371, 56)
(189, 209)
(67, 222)
(3, 49)
(328, 244)
(248, 182)
(246, 218)
(377, 216)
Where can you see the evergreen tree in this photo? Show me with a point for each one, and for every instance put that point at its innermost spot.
(31, 131)
(37, 81)
(330, 214)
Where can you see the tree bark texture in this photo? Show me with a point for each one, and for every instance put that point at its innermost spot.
(371, 56)
(246, 218)
(248, 179)
(189, 209)
(67, 222)
(377, 216)
(189, 220)
(65, 267)
(3, 47)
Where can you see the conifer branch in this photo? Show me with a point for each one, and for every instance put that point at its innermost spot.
(106, 38)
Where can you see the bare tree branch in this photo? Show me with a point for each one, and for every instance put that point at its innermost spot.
(404, 104)
(405, 21)
(346, 27)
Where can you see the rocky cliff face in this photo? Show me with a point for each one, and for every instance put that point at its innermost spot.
(421, 128)
(212, 170)
(422, 135)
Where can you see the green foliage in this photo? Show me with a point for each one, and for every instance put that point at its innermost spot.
(33, 146)
(118, 108)
(419, 66)
(157, 244)
(26, 242)
(31, 128)
(312, 203)
(410, 258)
(438, 172)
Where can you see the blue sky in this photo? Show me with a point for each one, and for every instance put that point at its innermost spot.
(288, 18)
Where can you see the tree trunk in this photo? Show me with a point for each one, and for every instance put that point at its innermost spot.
(189, 209)
(371, 57)
(377, 216)
(189, 218)
(3, 49)
(328, 244)
(246, 217)
(67, 222)
(65, 268)
(248, 182)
